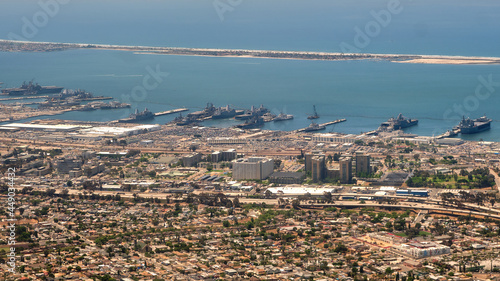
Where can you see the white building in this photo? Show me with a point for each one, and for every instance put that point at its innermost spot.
(253, 168)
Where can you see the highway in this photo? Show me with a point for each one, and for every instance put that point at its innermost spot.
(431, 205)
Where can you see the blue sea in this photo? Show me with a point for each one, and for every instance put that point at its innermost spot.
(366, 93)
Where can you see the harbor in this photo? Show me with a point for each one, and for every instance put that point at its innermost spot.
(256, 117)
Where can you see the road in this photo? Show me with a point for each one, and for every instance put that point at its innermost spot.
(497, 178)
(425, 204)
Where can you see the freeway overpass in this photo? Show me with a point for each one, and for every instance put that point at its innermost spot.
(432, 205)
(429, 207)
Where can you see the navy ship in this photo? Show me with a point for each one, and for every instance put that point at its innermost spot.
(254, 122)
(138, 116)
(314, 127)
(314, 115)
(472, 126)
(184, 121)
(249, 114)
(113, 105)
(283, 117)
(207, 112)
(87, 107)
(398, 123)
(32, 89)
(224, 112)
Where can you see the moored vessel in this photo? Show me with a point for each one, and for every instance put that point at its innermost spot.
(314, 127)
(138, 116)
(473, 126)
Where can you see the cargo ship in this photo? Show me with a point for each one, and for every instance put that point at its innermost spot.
(398, 123)
(314, 127)
(254, 122)
(283, 117)
(472, 126)
(138, 116)
(32, 89)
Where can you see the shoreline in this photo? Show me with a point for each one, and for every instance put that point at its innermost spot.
(28, 46)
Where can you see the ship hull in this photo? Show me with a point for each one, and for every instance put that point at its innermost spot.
(252, 126)
(134, 120)
(11, 92)
(25, 92)
(282, 119)
(476, 129)
(224, 115)
(405, 125)
(50, 90)
(243, 117)
(314, 129)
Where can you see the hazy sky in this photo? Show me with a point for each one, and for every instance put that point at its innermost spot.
(423, 25)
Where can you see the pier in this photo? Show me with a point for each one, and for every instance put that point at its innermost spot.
(333, 122)
(450, 133)
(96, 98)
(171, 111)
(325, 124)
(24, 97)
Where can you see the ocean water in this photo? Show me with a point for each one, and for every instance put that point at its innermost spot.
(366, 93)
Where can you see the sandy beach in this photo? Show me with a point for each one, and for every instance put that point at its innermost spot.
(17, 46)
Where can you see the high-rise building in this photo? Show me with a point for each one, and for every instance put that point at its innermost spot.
(318, 168)
(308, 159)
(362, 163)
(345, 169)
(191, 160)
(228, 155)
(253, 168)
(216, 156)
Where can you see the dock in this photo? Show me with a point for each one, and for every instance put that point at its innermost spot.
(96, 98)
(24, 97)
(450, 133)
(333, 122)
(325, 124)
(171, 111)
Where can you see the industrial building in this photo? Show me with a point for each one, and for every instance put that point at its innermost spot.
(449, 141)
(65, 165)
(253, 168)
(119, 131)
(83, 132)
(287, 177)
(337, 138)
(412, 192)
(422, 249)
(300, 190)
(224, 141)
(39, 127)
